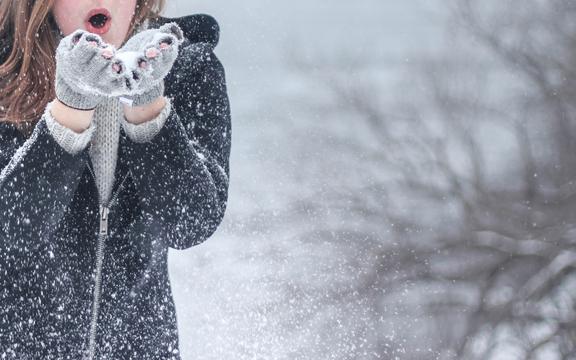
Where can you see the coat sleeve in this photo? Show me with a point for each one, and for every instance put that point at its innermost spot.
(182, 173)
(38, 178)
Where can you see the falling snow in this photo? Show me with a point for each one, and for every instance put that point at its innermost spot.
(400, 187)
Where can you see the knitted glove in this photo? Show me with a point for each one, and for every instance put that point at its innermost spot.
(149, 56)
(86, 70)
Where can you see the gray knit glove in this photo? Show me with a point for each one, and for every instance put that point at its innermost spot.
(149, 55)
(86, 70)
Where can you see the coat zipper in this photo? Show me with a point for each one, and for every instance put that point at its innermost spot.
(102, 235)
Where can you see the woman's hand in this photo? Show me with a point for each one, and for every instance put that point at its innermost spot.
(149, 56)
(86, 70)
(146, 112)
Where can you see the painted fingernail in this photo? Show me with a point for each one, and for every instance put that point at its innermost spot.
(152, 53)
(107, 54)
(143, 64)
(117, 67)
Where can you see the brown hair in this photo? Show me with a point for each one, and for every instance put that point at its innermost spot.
(28, 41)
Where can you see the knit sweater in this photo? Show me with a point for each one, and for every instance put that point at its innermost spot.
(103, 137)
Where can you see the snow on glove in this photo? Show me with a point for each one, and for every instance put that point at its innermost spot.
(86, 70)
(149, 56)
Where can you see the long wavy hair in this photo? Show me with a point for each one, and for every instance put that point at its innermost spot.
(28, 41)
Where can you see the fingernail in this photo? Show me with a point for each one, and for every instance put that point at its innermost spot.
(117, 67)
(152, 53)
(107, 53)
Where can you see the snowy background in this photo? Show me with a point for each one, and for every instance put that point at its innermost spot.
(400, 184)
(256, 289)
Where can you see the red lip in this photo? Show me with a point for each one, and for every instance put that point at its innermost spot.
(98, 30)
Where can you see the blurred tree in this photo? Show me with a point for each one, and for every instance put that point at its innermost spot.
(461, 210)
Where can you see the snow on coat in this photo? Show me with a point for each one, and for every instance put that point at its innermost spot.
(171, 192)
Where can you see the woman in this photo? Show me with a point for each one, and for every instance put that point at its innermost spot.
(114, 146)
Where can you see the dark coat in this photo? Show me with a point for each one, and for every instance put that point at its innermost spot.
(170, 192)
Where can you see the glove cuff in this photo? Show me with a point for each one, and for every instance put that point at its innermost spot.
(73, 99)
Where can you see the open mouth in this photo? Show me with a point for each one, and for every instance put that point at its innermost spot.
(98, 21)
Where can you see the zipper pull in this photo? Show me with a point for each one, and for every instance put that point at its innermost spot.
(103, 220)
